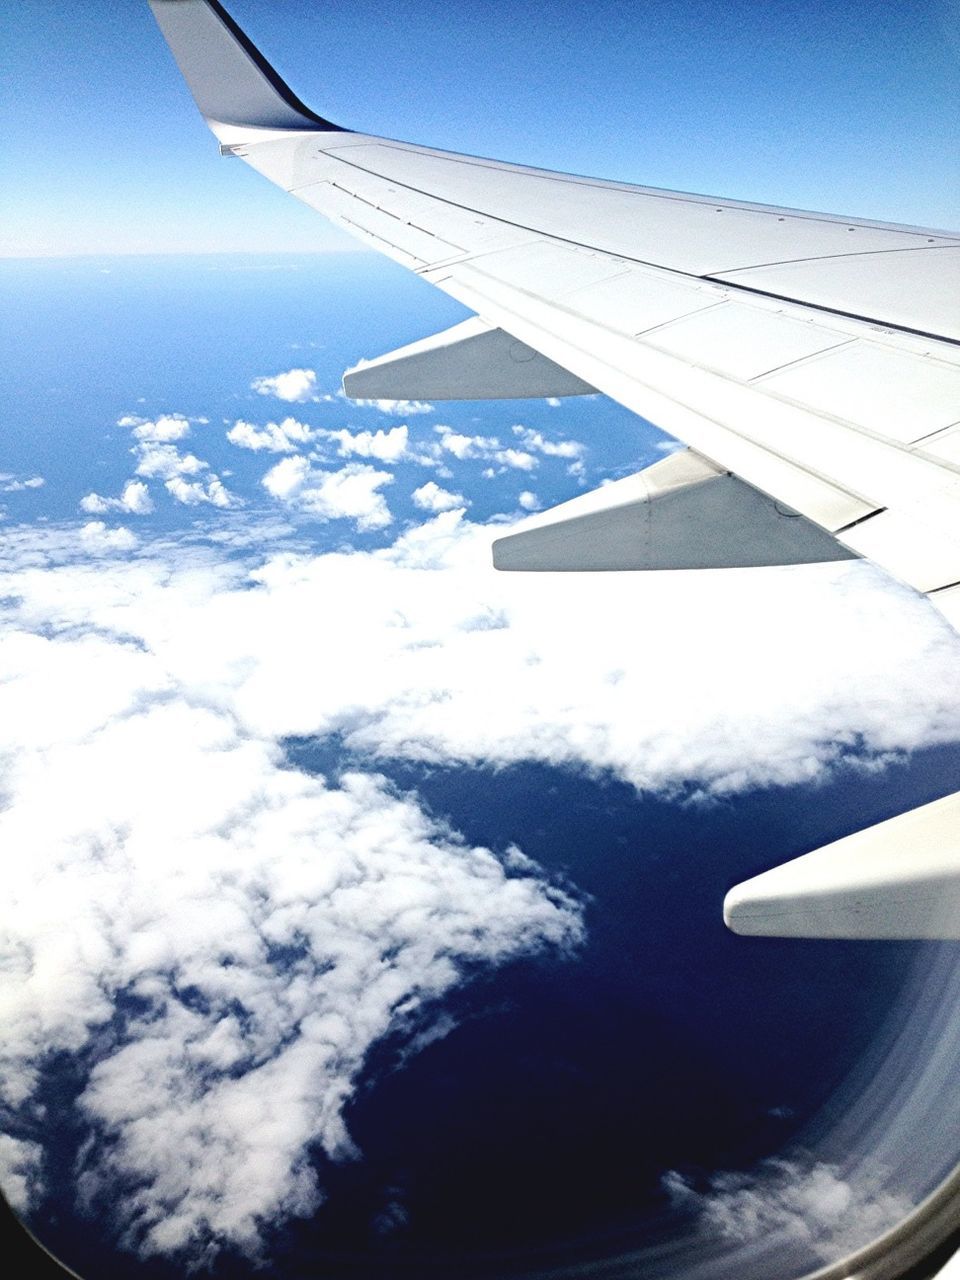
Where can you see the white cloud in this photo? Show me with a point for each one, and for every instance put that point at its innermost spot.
(519, 459)
(485, 447)
(386, 446)
(166, 461)
(20, 1168)
(172, 426)
(294, 385)
(275, 437)
(212, 1113)
(11, 484)
(804, 666)
(192, 493)
(536, 441)
(430, 497)
(811, 1203)
(134, 499)
(287, 478)
(462, 446)
(351, 493)
(529, 501)
(396, 408)
(553, 402)
(779, 700)
(97, 539)
(491, 449)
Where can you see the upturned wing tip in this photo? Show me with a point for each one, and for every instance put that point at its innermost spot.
(231, 81)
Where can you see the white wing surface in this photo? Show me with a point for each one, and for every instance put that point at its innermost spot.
(810, 362)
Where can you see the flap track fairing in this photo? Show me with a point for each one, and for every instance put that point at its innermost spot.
(471, 361)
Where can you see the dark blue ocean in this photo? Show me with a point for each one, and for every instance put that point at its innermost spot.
(533, 1137)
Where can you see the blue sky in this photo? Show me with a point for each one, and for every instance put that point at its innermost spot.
(844, 108)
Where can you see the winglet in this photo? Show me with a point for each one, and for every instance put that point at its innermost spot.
(230, 80)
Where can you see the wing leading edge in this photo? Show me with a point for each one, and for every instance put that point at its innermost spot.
(811, 362)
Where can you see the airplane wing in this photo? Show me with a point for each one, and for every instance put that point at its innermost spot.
(811, 363)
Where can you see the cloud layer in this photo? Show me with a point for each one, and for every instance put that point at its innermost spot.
(230, 933)
(716, 682)
(233, 935)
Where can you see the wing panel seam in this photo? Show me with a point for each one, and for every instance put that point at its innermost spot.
(860, 520)
(833, 257)
(643, 262)
(655, 193)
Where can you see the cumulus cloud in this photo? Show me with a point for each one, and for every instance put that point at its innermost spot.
(529, 501)
(275, 437)
(20, 1168)
(287, 478)
(397, 408)
(809, 1203)
(430, 497)
(172, 426)
(289, 435)
(295, 385)
(462, 446)
(134, 499)
(485, 447)
(386, 446)
(165, 461)
(98, 540)
(537, 442)
(519, 459)
(352, 493)
(507, 457)
(192, 493)
(12, 484)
